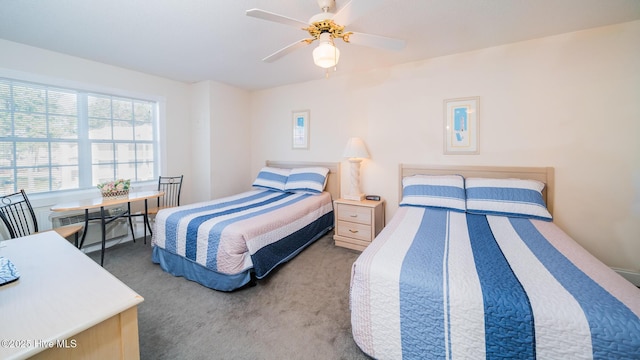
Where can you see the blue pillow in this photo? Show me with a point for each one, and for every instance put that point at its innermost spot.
(437, 191)
(506, 197)
(272, 178)
(309, 180)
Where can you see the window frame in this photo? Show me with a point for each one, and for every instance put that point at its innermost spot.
(84, 164)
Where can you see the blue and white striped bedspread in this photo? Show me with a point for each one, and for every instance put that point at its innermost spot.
(257, 229)
(451, 285)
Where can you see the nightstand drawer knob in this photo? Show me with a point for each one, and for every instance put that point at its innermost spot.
(353, 231)
(354, 215)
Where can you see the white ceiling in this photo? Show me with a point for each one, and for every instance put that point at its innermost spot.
(196, 40)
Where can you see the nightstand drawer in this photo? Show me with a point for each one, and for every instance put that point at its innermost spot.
(354, 230)
(354, 213)
(357, 222)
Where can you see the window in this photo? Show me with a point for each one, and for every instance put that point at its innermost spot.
(61, 139)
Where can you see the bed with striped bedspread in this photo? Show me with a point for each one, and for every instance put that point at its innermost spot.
(444, 284)
(220, 243)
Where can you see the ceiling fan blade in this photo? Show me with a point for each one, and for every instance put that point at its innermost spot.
(286, 50)
(376, 41)
(355, 9)
(269, 16)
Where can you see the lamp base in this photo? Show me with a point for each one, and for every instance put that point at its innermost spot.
(356, 197)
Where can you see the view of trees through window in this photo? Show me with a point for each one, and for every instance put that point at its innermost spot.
(60, 139)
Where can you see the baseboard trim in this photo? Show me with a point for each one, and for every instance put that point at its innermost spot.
(633, 277)
(98, 246)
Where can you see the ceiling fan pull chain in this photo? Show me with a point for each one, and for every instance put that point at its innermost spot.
(337, 55)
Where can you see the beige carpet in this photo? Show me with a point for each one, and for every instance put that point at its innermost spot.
(300, 311)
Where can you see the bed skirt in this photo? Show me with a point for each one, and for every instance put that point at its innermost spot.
(177, 265)
(264, 261)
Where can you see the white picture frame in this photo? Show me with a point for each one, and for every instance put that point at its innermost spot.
(300, 130)
(461, 126)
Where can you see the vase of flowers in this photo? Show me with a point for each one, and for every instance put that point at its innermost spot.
(117, 189)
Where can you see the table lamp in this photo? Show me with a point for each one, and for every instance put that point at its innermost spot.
(355, 151)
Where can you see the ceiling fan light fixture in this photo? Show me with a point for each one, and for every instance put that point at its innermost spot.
(326, 55)
(325, 27)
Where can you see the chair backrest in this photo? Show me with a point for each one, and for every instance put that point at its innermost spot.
(171, 185)
(17, 214)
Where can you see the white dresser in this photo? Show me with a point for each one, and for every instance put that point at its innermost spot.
(64, 305)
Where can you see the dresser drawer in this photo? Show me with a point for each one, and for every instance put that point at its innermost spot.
(354, 213)
(354, 230)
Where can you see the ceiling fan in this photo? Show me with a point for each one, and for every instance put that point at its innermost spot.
(326, 27)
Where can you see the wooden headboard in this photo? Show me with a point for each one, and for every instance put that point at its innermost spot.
(543, 174)
(333, 178)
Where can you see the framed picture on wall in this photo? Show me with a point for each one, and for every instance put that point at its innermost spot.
(461, 126)
(300, 129)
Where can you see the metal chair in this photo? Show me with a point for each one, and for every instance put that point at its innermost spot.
(171, 186)
(20, 219)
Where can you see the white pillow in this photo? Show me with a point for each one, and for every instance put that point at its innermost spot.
(272, 178)
(506, 197)
(309, 179)
(439, 191)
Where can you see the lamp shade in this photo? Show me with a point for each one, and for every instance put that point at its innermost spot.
(356, 149)
(326, 55)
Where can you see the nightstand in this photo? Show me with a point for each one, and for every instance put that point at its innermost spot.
(357, 222)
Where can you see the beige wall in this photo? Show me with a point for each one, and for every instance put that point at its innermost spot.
(200, 141)
(570, 101)
(220, 140)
